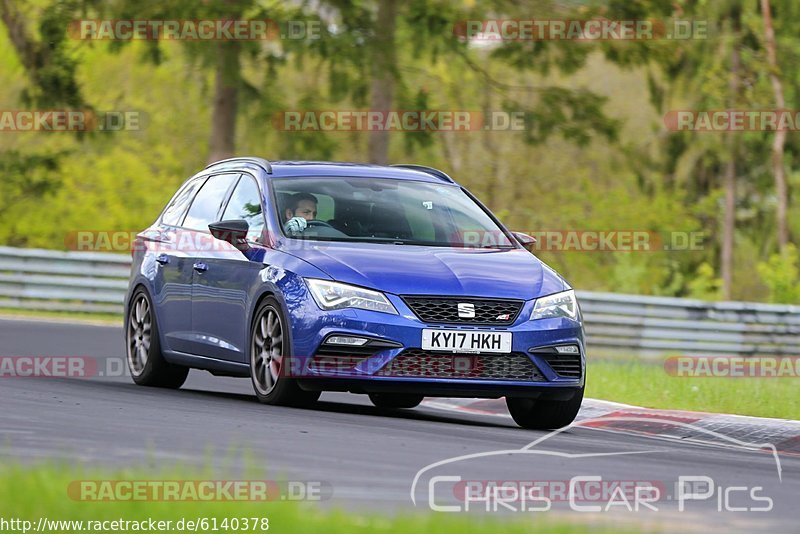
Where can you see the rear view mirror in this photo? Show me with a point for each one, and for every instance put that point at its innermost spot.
(525, 240)
(233, 231)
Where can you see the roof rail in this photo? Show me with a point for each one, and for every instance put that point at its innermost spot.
(261, 162)
(430, 170)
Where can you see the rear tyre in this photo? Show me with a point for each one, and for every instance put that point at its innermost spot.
(540, 414)
(145, 361)
(395, 400)
(269, 357)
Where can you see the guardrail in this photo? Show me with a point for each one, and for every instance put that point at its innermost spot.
(653, 326)
(95, 282)
(33, 279)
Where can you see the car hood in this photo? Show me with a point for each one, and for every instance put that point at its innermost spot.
(418, 270)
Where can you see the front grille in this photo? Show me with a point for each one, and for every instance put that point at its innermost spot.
(419, 363)
(446, 310)
(566, 365)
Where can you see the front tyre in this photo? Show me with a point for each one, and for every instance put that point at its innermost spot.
(269, 357)
(145, 361)
(543, 414)
(395, 400)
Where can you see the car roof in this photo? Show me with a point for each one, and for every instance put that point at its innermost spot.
(284, 169)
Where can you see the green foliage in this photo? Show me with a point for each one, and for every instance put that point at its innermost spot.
(593, 154)
(704, 284)
(781, 274)
(28, 181)
(576, 115)
(628, 274)
(43, 48)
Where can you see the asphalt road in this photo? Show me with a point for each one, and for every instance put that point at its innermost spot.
(363, 457)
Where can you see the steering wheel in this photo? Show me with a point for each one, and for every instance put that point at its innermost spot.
(317, 223)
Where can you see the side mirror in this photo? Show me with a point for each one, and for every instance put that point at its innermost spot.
(525, 240)
(233, 231)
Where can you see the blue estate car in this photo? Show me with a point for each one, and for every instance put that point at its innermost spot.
(390, 281)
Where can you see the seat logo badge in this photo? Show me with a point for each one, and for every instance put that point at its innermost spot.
(466, 310)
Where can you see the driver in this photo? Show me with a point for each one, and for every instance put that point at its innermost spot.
(301, 208)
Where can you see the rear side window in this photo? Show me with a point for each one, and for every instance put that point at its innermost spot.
(206, 203)
(245, 203)
(174, 212)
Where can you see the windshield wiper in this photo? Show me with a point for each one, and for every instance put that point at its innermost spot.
(499, 247)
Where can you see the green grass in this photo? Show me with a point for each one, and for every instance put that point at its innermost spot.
(649, 385)
(41, 491)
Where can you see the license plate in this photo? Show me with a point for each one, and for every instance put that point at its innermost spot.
(466, 341)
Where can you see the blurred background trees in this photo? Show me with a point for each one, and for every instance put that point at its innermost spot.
(594, 155)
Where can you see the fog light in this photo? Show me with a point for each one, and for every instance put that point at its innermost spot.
(567, 349)
(350, 341)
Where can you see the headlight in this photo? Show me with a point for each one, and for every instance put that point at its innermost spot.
(561, 304)
(335, 296)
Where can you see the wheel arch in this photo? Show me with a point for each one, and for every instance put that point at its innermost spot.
(264, 295)
(135, 287)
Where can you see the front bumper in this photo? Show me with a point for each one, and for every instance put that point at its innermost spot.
(364, 370)
(440, 388)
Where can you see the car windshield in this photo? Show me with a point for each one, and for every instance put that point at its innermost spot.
(375, 210)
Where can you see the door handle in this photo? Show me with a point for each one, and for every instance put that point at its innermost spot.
(163, 259)
(200, 267)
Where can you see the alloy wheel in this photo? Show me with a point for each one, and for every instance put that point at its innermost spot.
(140, 325)
(267, 350)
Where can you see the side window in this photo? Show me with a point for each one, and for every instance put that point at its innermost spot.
(245, 203)
(205, 205)
(174, 212)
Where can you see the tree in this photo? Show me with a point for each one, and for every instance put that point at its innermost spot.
(28, 178)
(227, 79)
(722, 71)
(384, 64)
(729, 180)
(779, 139)
(367, 42)
(50, 67)
(227, 59)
